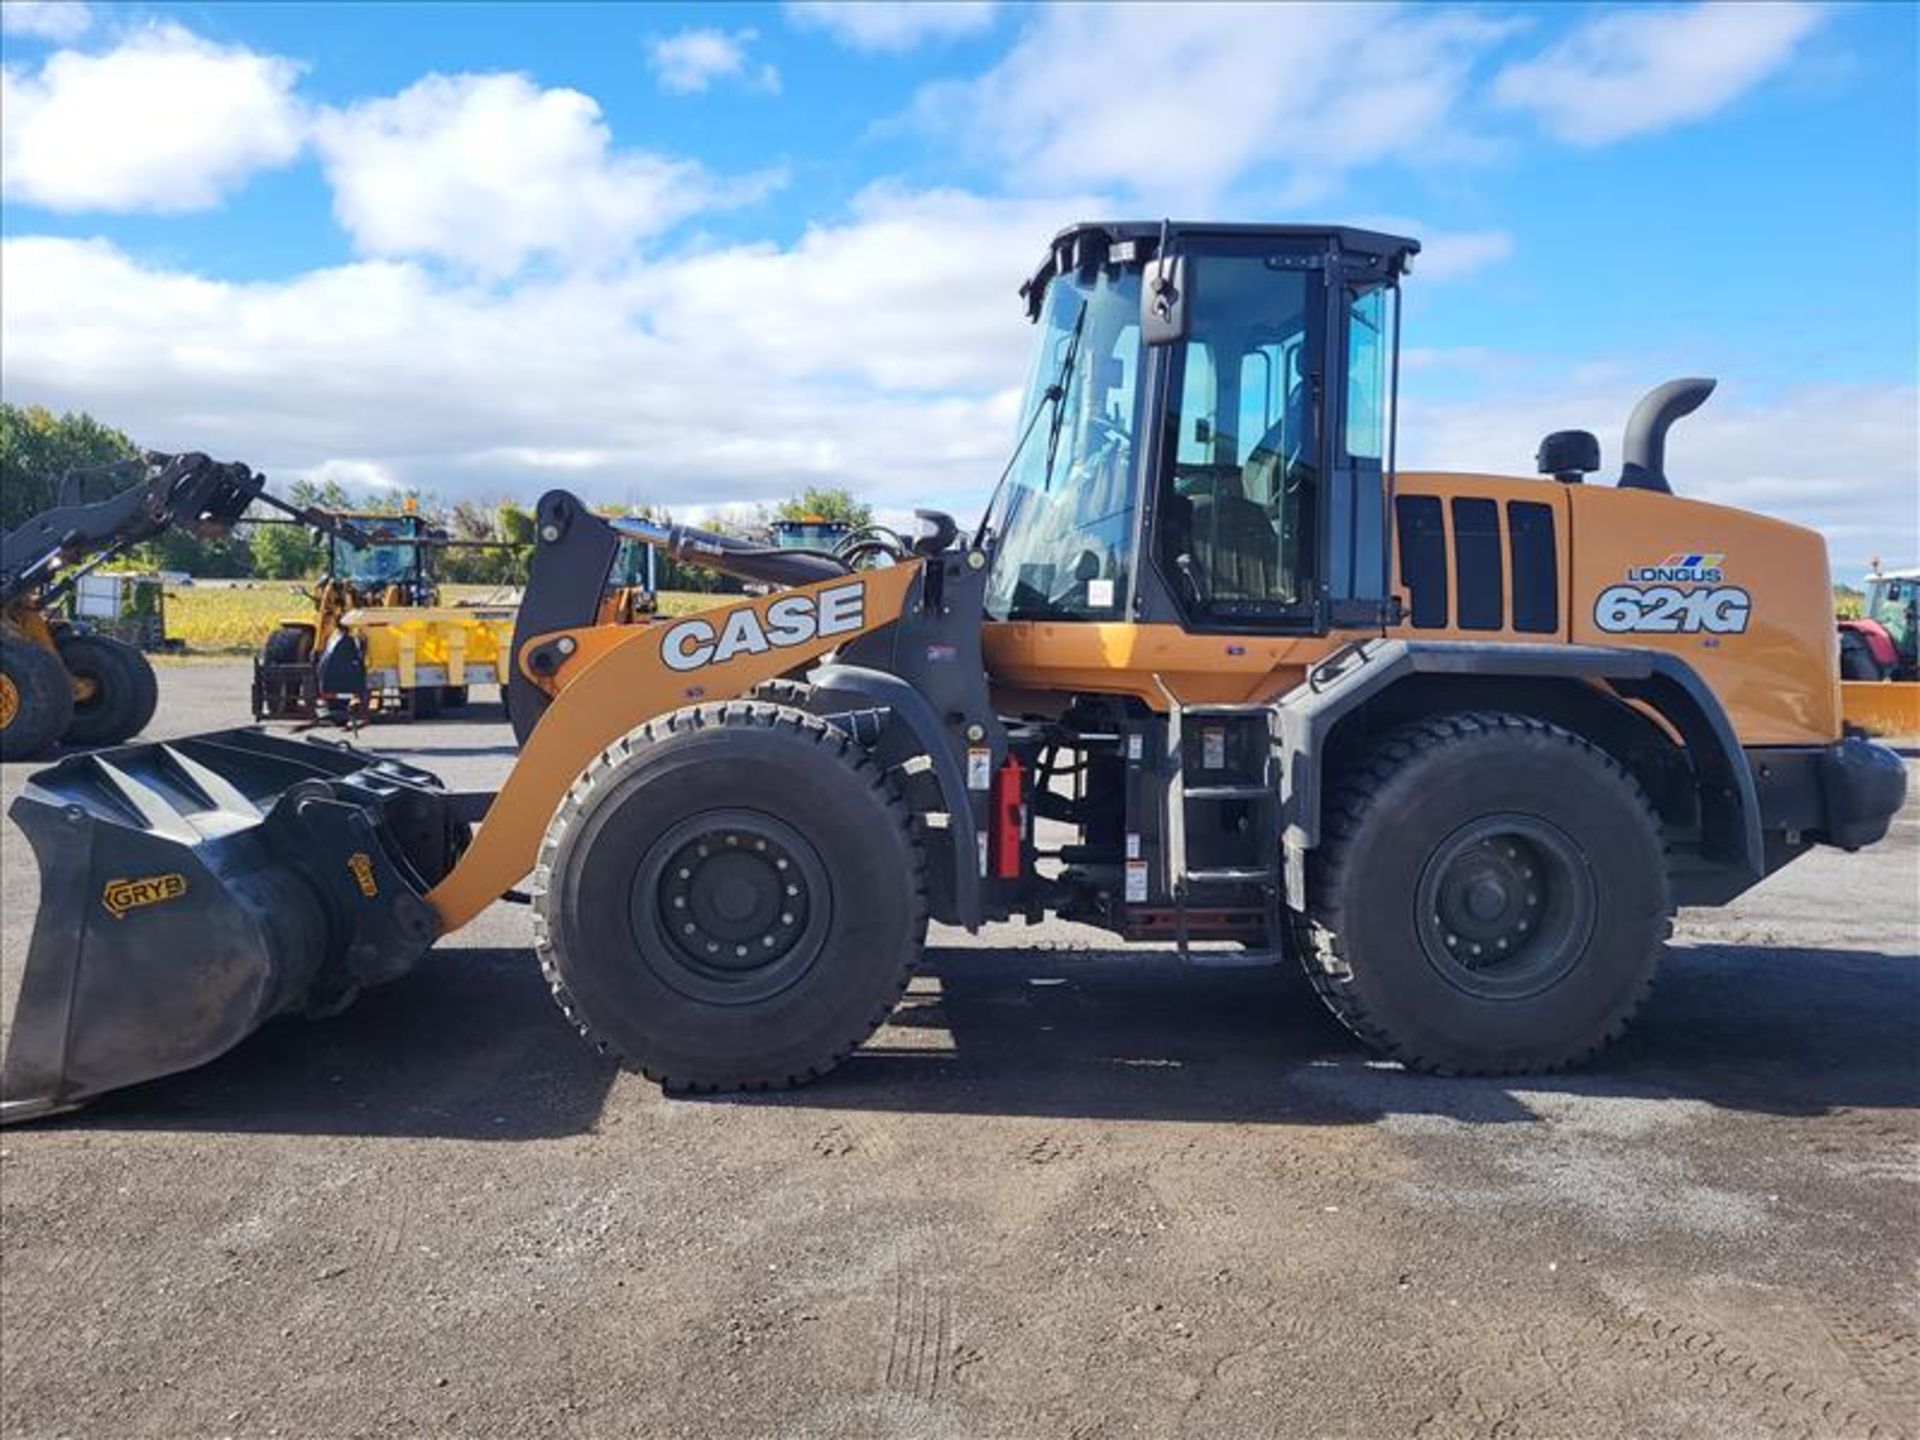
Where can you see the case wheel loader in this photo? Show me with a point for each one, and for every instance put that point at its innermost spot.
(378, 641)
(60, 681)
(1209, 669)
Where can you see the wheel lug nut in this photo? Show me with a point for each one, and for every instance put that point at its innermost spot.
(1452, 941)
(786, 917)
(780, 864)
(686, 874)
(767, 940)
(679, 902)
(793, 889)
(739, 949)
(687, 929)
(759, 844)
(1501, 944)
(1476, 949)
(712, 949)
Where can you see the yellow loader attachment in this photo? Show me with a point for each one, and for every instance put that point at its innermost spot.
(1881, 707)
(193, 890)
(406, 648)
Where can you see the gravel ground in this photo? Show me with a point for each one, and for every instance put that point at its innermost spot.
(1069, 1191)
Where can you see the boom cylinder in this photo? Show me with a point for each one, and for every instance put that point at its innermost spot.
(730, 555)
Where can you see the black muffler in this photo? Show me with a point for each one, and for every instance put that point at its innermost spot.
(193, 890)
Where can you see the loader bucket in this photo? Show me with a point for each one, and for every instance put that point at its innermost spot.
(193, 890)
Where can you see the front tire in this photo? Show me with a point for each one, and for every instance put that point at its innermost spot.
(36, 697)
(121, 690)
(731, 897)
(1489, 897)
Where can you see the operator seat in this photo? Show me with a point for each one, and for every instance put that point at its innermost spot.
(1281, 467)
(1234, 543)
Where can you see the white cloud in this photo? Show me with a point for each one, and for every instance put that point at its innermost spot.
(490, 171)
(883, 353)
(892, 26)
(1445, 254)
(1642, 69)
(1450, 254)
(692, 60)
(164, 121)
(60, 20)
(1176, 102)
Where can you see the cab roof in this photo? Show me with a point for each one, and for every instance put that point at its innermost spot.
(1131, 242)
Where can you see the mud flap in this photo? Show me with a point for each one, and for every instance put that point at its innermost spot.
(191, 891)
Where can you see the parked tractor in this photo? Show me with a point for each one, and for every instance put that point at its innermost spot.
(1880, 655)
(377, 641)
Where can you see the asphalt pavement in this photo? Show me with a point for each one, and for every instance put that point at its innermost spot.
(1072, 1190)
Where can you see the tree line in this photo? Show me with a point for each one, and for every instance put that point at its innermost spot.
(38, 449)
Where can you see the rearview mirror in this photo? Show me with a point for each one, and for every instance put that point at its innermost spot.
(1166, 300)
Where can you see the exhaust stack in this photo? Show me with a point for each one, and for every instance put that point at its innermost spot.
(1643, 455)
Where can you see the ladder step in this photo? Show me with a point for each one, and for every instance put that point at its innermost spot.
(1226, 711)
(1230, 874)
(1228, 792)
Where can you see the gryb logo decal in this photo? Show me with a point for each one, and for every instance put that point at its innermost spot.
(1684, 594)
(120, 896)
(791, 620)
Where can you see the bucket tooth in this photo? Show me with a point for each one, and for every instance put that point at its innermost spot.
(192, 891)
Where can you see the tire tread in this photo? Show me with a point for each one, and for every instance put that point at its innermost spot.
(837, 748)
(1330, 887)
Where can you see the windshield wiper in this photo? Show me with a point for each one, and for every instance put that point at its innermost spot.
(1057, 393)
(1052, 395)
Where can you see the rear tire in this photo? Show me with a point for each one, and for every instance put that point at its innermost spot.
(1489, 897)
(1856, 659)
(731, 897)
(278, 697)
(288, 645)
(124, 690)
(36, 697)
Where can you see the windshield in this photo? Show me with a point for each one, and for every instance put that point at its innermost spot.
(1062, 520)
(809, 534)
(1891, 603)
(378, 563)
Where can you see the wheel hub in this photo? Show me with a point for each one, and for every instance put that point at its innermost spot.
(740, 900)
(1505, 906)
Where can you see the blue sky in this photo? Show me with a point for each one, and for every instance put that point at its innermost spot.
(704, 255)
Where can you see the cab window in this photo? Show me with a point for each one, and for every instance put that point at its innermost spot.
(1239, 468)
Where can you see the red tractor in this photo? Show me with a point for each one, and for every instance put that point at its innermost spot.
(1882, 643)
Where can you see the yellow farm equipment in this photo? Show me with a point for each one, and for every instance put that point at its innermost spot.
(378, 642)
